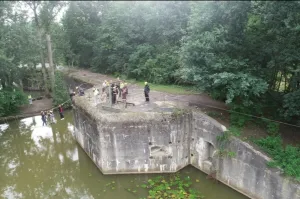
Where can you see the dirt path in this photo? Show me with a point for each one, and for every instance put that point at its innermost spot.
(290, 135)
(37, 106)
(97, 79)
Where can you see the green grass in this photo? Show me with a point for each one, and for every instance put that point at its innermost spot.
(172, 89)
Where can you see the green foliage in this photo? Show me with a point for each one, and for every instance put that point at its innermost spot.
(10, 100)
(60, 94)
(287, 158)
(272, 128)
(138, 39)
(223, 141)
(172, 187)
(291, 105)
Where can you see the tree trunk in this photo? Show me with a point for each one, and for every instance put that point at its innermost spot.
(3, 83)
(47, 93)
(21, 84)
(281, 75)
(39, 31)
(52, 77)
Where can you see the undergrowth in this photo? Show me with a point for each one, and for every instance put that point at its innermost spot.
(287, 158)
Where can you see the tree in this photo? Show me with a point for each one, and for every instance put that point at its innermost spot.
(44, 14)
(212, 52)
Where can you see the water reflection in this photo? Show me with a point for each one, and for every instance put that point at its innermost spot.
(45, 162)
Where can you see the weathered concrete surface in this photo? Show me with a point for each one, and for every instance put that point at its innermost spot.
(246, 172)
(162, 139)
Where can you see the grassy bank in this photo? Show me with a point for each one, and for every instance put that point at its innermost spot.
(172, 89)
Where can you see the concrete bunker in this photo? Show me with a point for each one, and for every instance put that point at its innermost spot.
(138, 142)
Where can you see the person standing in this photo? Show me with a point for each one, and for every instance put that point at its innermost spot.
(96, 93)
(61, 112)
(114, 94)
(104, 86)
(44, 118)
(124, 95)
(52, 120)
(147, 91)
(30, 99)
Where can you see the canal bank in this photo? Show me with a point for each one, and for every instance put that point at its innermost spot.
(46, 162)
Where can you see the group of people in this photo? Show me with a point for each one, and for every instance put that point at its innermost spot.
(49, 116)
(118, 89)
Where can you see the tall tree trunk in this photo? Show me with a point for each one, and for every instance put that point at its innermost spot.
(39, 31)
(47, 93)
(52, 77)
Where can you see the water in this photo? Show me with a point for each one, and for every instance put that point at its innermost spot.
(39, 162)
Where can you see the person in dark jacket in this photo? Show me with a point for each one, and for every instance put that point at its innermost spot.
(147, 91)
(61, 112)
(114, 94)
(44, 118)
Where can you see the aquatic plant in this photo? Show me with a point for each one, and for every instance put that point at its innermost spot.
(173, 187)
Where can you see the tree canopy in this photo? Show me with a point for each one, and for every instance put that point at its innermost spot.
(245, 53)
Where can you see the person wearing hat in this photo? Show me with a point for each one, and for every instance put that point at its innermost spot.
(146, 91)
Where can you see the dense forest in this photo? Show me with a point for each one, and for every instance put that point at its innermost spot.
(244, 53)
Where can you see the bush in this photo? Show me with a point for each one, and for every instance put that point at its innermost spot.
(272, 128)
(10, 100)
(60, 94)
(287, 158)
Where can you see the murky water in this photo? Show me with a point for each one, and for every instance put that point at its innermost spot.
(45, 162)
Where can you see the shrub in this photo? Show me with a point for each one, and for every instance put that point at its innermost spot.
(287, 158)
(60, 94)
(272, 128)
(10, 100)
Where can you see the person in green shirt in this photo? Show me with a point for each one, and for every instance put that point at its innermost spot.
(30, 99)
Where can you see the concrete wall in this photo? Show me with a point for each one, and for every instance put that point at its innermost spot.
(246, 171)
(153, 142)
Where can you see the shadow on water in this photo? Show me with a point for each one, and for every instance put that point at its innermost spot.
(46, 162)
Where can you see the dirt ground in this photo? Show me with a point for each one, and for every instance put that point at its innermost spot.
(37, 106)
(290, 135)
